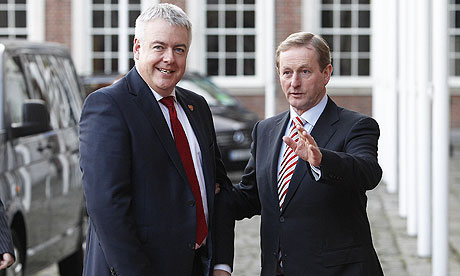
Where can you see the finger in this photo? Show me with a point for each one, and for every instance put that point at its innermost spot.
(290, 142)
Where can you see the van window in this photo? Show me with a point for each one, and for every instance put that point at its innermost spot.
(53, 80)
(15, 89)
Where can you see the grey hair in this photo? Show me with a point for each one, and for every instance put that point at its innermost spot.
(168, 12)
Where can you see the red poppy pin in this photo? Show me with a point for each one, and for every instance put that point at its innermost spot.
(190, 107)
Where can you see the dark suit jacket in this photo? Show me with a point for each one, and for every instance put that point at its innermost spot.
(6, 243)
(140, 204)
(323, 228)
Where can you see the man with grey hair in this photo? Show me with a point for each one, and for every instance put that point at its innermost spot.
(307, 177)
(150, 161)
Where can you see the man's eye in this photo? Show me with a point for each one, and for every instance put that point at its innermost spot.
(287, 73)
(180, 50)
(305, 71)
(158, 47)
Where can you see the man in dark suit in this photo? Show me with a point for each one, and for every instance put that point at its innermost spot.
(6, 244)
(150, 161)
(310, 189)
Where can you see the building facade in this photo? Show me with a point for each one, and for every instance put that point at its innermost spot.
(229, 40)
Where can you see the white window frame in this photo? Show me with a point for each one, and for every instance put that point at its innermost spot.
(196, 10)
(362, 83)
(11, 7)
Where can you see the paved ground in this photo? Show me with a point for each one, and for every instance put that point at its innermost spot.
(396, 250)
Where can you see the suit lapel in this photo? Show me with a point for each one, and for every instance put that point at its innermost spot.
(149, 106)
(322, 133)
(276, 138)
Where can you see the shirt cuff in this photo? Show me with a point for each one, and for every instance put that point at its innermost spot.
(316, 172)
(223, 267)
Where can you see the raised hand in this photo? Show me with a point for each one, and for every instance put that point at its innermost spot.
(306, 147)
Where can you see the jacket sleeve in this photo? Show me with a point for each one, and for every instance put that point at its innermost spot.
(357, 164)
(106, 165)
(6, 243)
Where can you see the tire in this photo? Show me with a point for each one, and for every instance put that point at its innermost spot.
(17, 269)
(73, 264)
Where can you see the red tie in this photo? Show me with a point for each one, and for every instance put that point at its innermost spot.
(289, 162)
(186, 157)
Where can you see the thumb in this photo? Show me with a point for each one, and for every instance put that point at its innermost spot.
(290, 142)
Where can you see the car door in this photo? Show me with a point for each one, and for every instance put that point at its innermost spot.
(55, 83)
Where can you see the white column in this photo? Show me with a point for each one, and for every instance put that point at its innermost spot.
(402, 107)
(423, 129)
(123, 37)
(441, 123)
(411, 121)
(36, 20)
(196, 60)
(81, 48)
(270, 72)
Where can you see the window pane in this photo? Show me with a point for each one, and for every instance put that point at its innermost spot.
(345, 1)
(364, 1)
(114, 1)
(21, 1)
(212, 19)
(114, 17)
(21, 36)
(213, 1)
(230, 43)
(212, 43)
(20, 20)
(364, 43)
(132, 18)
(98, 65)
(345, 67)
(230, 67)
(249, 43)
(131, 63)
(327, 19)
(328, 1)
(230, 19)
(98, 1)
(249, 2)
(249, 19)
(457, 19)
(330, 41)
(3, 1)
(114, 43)
(134, 1)
(98, 43)
(345, 43)
(213, 67)
(363, 67)
(457, 67)
(98, 19)
(364, 19)
(456, 44)
(249, 67)
(130, 42)
(114, 65)
(345, 19)
(3, 19)
(230, 1)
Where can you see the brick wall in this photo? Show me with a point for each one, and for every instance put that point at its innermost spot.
(455, 111)
(288, 19)
(58, 21)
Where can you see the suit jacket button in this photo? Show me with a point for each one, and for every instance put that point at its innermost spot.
(191, 203)
(281, 219)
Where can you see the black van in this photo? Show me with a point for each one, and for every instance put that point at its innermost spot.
(40, 178)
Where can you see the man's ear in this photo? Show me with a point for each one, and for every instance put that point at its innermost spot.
(327, 72)
(136, 48)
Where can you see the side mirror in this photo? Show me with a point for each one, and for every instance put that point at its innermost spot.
(35, 117)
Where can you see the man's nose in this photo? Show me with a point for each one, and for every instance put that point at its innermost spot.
(168, 56)
(295, 81)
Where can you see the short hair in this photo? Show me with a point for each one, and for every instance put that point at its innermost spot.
(168, 12)
(304, 39)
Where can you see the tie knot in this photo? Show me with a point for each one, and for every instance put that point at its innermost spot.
(298, 121)
(168, 101)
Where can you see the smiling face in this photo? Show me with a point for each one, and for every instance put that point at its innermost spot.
(161, 55)
(302, 80)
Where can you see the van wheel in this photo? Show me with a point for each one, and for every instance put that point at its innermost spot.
(17, 269)
(73, 264)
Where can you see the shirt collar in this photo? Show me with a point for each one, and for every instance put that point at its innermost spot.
(158, 97)
(311, 115)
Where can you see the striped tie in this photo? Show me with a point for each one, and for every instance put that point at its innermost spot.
(289, 162)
